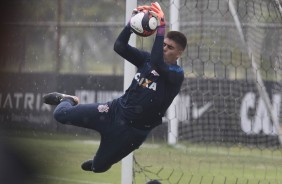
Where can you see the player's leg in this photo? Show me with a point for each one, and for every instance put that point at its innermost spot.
(55, 98)
(68, 111)
(83, 115)
(122, 141)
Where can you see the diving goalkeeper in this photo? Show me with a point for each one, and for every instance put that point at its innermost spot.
(125, 122)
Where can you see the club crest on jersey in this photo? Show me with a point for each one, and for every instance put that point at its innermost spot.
(103, 108)
(146, 83)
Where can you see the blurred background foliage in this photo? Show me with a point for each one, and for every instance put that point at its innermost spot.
(77, 37)
(64, 36)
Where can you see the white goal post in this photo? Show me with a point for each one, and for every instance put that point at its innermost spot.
(171, 113)
(129, 71)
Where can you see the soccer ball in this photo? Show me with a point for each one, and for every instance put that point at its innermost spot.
(143, 23)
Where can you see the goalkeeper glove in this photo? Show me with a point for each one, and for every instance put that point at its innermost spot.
(140, 8)
(157, 12)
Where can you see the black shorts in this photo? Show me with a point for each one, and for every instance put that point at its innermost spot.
(118, 139)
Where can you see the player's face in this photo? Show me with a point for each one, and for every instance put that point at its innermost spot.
(171, 51)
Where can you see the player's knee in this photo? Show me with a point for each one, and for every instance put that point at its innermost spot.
(60, 116)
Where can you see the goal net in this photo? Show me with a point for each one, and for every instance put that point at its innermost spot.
(229, 107)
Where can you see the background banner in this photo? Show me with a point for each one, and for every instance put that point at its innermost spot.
(208, 110)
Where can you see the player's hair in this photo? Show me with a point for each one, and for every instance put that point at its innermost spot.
(178, 37)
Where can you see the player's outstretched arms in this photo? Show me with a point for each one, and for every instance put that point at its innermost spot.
(131, 54)
(157, 58)
(121, 43)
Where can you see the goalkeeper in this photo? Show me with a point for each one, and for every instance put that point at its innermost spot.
(125, 122)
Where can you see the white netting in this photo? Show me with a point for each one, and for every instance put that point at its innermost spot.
(222, 111)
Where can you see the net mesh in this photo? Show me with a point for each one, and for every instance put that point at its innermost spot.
(225, 132)
(220, 71)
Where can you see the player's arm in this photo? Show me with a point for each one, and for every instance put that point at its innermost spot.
(157, 58)
(173, 74)
(133, 55)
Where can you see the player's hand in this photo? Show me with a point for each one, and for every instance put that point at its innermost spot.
(157, 12)
(140, 8)
(144, 7)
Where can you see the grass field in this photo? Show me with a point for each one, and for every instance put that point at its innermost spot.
(58, 159)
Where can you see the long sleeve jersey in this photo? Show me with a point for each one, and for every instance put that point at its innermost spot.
(154, 86)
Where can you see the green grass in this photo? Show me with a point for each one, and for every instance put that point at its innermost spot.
(208, 164)
(59, 157)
